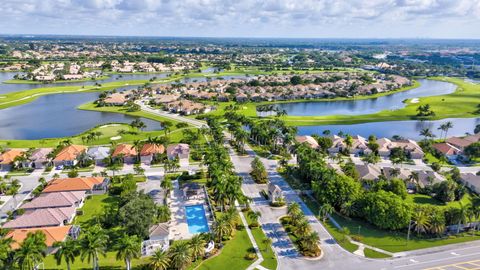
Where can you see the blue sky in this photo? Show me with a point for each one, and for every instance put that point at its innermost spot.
(245, 18)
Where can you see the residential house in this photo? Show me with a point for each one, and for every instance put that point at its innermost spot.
(159, 238)
(149, 151)
(309, 140)
(359, 146)
(337, 146)
(472, 181)
(87, 184)
(98, 154)
(448, 150)
(69, 155)
(180, 151)
(368, 171)
(52, 235)
(411, 148)
(55, 200)
(7, 158)
(275, 193)
(462, 143)
(47, 217)
(125, 151)
(40, 158)
(241, 97)
(428, 178)
(399, 173)
(116, 99)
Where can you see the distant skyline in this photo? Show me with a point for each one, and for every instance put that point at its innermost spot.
(245, 18)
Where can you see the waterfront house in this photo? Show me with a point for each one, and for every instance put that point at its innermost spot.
(47, 217)
(309, 140)
(8, 158)
(116, 99)
(98, 154)
(338, 145)
(69, 155)
(462, 143)
(125, 151)
(180, 151)
(87, 184)
(448, 150)
(40, 158)
(149, 151)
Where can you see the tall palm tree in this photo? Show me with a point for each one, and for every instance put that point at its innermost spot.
(426, 133)
(197, 245)
(5, 249)
(437, 223)
(166, 185)
(421, 220)
(66, 251)
(325, 211)
(180, 255)
(31, 251)
(92, 244)
(294, 211)
(128, 248)
(221, 228)
(163, 213)
(463, 215)
(160, 260)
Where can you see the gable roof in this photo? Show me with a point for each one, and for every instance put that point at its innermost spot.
(307, 139)
(70, 152)
(9, 156)
(446, 149)
(40, 154)
(55, 199)
(180, 149)
(73, 184)
(125, 150)
(53, 234)
(368, 171)
(150, 149)
(42, 218)
(160, 229)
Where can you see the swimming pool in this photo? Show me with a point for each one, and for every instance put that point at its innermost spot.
(196, 219)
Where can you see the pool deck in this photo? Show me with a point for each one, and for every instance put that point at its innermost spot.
(178, 224)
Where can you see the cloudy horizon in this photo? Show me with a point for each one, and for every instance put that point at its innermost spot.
(245, 18)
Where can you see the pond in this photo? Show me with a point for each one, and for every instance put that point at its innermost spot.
(8, 88)
(54, 116)
(406, 129)
(368, 106)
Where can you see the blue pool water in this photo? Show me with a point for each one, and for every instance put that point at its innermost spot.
(196, 219)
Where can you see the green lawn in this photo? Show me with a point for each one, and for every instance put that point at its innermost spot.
(232, 255)
(423, 199)
(14, 81)
(370, 253)
(269, 259)
(106, 263)
(93, 207)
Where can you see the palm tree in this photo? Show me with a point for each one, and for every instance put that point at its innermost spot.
(5, 248)
(92, 244)
(302, 228)
(128, 248)
(163, 213)
(31, 251)
(294, 211)
(254, 215)
(180, 255)
(197, 245)
(421, 220)
(66, 251)
(221, 228)
(166, 185)
(437, 223)
(427, 133)
(160, 260)
(463, 215)
(325, 211)
(310, 241)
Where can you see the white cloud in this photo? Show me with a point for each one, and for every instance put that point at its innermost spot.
(238, 17)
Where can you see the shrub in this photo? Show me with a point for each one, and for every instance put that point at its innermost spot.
(251, 256)
(254, 224)
(357, 238)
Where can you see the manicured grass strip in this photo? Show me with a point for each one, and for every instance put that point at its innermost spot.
(370, 253)
(106, 263)
(269, 259)
(232, 254)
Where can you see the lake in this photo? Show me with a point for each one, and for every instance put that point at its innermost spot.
(406, 129)
(55, 116)
(368, 106)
